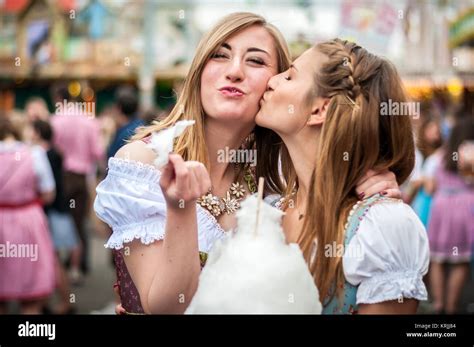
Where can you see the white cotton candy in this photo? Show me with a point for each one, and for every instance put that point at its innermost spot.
(255, 273)
(162, 141)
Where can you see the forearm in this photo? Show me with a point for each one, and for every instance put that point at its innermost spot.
(173, 287)
(406, 306)
(429, 186)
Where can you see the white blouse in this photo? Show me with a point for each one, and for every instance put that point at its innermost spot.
(389, 255)
(41, 165)
(131, 202)
(386, 258)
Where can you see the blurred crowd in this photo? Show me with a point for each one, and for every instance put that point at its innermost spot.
(51, 165)
(441, 192)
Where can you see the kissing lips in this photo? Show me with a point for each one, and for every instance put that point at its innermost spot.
(232, 92)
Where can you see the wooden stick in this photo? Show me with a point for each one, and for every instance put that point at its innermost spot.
(261, 181)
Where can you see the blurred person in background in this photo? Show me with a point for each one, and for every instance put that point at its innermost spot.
(36, 108)
(451, 224)
(61, 223)
(429, 140)
(27, 254)
(108, 128)
(22, 124)
(126, 118)
(77, 138)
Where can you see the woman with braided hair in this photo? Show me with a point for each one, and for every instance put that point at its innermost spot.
(368, 256)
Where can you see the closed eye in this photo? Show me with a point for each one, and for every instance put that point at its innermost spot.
(257, 61)
(288, 78)
(219, 55)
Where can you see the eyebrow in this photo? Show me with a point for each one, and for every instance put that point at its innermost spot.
(251, 49)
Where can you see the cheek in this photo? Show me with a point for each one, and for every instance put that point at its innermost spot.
(258, 82)
(209, 76)
(290, 107)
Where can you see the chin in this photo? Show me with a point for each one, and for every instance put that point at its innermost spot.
(259, 119)
(233, 114)
(263, 120)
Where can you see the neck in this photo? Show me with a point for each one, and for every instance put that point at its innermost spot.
(302, 148)
(219, 136)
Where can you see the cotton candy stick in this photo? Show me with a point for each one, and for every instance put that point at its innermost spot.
(261, 181)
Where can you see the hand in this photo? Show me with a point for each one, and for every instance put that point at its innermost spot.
(119, 310)
(374, 182)
(183, 182)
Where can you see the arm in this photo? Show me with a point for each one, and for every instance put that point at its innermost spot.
(429, 185)
(97, 149)
(373, 182)
(412, 190)
(394, 257)
(166, 272)
(406, 306)
(44, 174)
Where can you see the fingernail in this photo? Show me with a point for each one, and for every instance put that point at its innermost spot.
(361, 195)
(384, 193)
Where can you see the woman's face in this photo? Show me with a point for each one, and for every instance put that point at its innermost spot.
(288, 101)
(432, 133)
(235, 78)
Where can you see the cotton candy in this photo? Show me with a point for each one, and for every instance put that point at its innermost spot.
(162, 141)
(250, 272)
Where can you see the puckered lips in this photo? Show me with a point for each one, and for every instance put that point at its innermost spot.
(231, 92)
(262, 99)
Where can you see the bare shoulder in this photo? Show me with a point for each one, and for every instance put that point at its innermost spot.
(138, 151)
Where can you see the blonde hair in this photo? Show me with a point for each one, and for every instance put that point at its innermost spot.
(191, 145)
(357, 82)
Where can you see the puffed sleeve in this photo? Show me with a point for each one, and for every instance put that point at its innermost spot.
(131, 202)
(389, 255)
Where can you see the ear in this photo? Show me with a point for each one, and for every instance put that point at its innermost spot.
(318, 111)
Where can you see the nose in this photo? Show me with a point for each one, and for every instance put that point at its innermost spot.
(272, 83)
(235, 72)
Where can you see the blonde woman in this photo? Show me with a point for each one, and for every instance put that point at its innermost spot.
(368, 256)
(161, 244)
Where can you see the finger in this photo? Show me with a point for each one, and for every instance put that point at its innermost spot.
(194, 182)
(204, 179)
(167, 175)
(366, 176)
(117, 291)
(365, 188)
(119, 310)
(181, 172)
(378, 187)
(393, 193)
